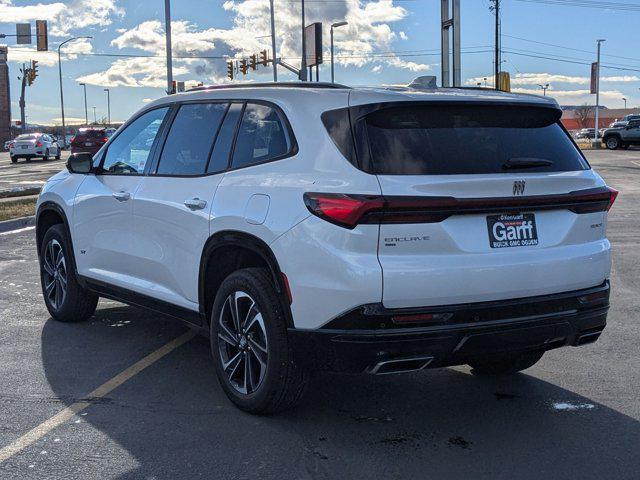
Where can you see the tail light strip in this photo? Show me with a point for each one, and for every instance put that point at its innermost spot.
(350, 210)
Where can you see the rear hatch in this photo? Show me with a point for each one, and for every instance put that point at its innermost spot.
(90, 140)
(24, 143)
(481, 202)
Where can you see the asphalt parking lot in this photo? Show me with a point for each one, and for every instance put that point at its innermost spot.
(26, 174)
(576, 414)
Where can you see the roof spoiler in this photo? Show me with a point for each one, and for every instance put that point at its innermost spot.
(425, 82)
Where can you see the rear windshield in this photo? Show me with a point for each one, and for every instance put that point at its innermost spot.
(466, 139)
(26, 137)
(90, 134)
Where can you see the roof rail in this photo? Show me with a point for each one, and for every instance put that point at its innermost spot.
(269, 85)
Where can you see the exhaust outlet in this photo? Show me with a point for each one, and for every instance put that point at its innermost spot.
(400, 365)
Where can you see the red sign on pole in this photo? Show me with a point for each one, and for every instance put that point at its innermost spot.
(594, 77)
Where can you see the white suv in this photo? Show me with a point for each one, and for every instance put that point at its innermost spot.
(316, 226)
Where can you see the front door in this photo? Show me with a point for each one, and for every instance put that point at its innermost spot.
(104, 240)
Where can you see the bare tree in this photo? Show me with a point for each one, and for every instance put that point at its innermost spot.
(583, 113)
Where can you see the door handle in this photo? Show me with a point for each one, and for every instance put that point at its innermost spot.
(121, 196)
(195, 203)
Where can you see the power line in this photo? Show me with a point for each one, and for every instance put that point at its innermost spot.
(577, 62)
(627, 7)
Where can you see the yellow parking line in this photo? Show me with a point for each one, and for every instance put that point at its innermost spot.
(61, 417)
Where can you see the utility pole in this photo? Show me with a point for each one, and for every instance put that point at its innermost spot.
(497, 40)
(167, 34)
(108, 106)
(303, 63)
(273, 42)
(23, 118)
(86, 113)
(596, 143)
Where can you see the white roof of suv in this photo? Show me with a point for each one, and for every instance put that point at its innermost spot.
(357, 95)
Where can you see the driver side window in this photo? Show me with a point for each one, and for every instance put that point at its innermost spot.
(128, 153)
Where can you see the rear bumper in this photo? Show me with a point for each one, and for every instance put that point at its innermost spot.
(362, 339)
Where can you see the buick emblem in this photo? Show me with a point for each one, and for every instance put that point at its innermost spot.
(518, 187)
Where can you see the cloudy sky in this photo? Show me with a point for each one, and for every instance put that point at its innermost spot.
(386, 42)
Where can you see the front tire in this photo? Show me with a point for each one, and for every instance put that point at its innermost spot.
(506, 364)
(249, 344)
(612, 143)
(65, 299)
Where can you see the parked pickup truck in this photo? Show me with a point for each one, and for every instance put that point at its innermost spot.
(622, 137)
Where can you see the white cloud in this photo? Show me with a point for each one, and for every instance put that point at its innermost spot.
(77, 14)
(550, 78)
(574, 97)
(369, 32)
(133, 72)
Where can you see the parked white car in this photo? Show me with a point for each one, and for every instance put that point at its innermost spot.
(316, 226)
(32, 145)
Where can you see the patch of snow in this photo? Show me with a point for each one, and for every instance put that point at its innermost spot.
(566, 406)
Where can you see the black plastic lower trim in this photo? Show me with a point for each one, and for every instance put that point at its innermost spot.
(139, 300)
(474, 331)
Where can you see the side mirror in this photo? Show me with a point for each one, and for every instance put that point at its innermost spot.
(80, 163)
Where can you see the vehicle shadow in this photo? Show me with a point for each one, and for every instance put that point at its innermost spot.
(173, 420)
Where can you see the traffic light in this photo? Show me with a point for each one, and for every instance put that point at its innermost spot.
(41, 35)
(264, 58)
(32, 72)
(230, 69)
(243, 66)
(253, 61)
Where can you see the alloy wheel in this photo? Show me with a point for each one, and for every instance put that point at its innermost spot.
(242, 342)
(55, 274)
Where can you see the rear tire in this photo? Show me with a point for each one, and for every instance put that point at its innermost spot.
(506, 364)
(46, 155)
(251, 354)
(14, 159)
(612, 143)
(65, 298)
(57, 157)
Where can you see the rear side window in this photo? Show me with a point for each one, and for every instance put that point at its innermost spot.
(188, 144)
(220, 155)
(450, 139)
(262, 137)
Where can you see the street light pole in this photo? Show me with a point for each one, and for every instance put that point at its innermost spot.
(64, 130)
(595, 139)
(625, 103)
(167, 34)
(335, 25)
(544, 88)
(108, 106)
(86, 113)
(273, 42)
(303, 63)
(95, 120)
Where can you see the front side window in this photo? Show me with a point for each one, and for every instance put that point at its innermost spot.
(128, 153)
(186, 149)
(262, 137)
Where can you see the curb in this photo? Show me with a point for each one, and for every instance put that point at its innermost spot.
(17, 223)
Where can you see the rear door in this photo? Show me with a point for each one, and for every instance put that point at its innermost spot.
(484, 202)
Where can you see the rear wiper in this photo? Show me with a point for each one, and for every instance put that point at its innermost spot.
(525, 162)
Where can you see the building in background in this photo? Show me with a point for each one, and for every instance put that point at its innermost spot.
(5, 97)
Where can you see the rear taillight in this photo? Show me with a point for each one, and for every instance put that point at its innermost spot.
(38, 143)
(73, 139)
(11, 145)
(344, 210)
(613, 194)
(105, 140)
(350, 210)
